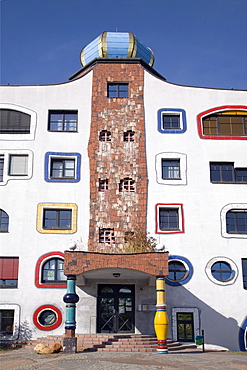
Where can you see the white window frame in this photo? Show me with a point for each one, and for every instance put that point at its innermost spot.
(229, 262)
(7, 155)
(225, 209)
(33, 123)
(16, 322)
(181, 157)
(195, 312)
(179, 207)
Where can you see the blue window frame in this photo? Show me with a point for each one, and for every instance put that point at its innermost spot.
(62, 167)
(171, 121)
(180, 270)
(236, 222)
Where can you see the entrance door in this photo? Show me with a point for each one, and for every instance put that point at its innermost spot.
(116, 311)
(185, 326)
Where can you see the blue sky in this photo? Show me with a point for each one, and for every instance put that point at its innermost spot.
(195, 42)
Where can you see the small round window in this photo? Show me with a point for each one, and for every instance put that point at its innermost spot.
(221, 271)
(180, 270)
(177, 271)
(47, 317)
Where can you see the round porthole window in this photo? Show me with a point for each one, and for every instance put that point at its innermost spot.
(47, 317)
(180, 270)
(221, 271)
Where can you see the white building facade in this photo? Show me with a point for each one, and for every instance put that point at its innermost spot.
(178, 166)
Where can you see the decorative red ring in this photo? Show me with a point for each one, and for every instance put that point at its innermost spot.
(43, 308)
(38, 271)
(224, 108)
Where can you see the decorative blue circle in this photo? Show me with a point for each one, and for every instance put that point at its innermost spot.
(189, 271)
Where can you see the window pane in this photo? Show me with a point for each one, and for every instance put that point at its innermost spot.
(18, 165)
(56, 122)
(221, 271)
(171, 121)
(70, 122)
(241, 174)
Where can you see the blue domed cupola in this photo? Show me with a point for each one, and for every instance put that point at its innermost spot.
(116, 45)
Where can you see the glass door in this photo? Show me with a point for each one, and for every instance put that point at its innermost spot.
(185, 326)
(116, 311)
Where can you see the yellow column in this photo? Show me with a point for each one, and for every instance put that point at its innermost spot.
(161, 319)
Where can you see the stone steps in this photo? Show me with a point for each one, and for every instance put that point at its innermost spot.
(113, 343)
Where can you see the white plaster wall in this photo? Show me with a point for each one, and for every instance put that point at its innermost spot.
(222, 308)
(20, 198)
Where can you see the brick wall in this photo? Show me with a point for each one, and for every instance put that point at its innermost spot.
(76, 263)
(115, 160)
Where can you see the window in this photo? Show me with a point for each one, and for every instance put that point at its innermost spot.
(241, 175)
(4, 222)
(105, 135)
(18, 165)
(180, 270)
(62, 121)
(14, 122)
(49, 271)
(1, 167)
(15, 165)
(236, 222)
(227, 122)
(129, 136)
(106, 236)
(9, 272)
(103, 184)
(171, 121)
(6, 322)
(244, 270)
(177, 270)
(127, 185)
(62, 168)
(47, 317)
(169, 218)
(222, 271)
(170, 169)
(117, 90)
(57, 218)
(225, 172)
(52, 271)
(17, 122)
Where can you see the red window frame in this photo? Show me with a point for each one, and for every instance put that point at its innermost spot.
(224, 108)
(38, 271)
